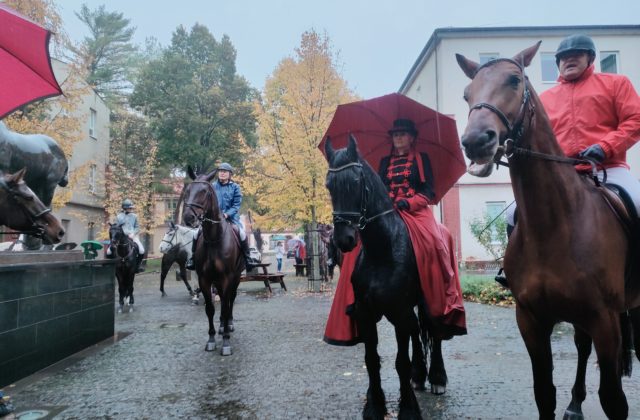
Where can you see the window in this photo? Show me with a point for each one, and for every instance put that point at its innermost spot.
(171, 204)
(494, 210)
(92, 123)
(93, 170)
(609, 61)
(549, 67)
(486, 57)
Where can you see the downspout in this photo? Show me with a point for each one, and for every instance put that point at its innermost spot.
(437, 81)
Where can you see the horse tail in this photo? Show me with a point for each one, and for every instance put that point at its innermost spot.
(627, 343)
(425, 336)
(65, 178)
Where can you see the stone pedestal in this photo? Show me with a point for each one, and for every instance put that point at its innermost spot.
(50, 310)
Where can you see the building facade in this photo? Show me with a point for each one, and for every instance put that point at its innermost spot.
(437, 81)
(83, 216)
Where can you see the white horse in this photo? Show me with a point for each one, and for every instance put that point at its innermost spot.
(176, 247)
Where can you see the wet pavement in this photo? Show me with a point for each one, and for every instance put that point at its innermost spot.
(156, 366)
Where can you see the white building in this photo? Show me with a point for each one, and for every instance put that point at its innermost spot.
(437, 81)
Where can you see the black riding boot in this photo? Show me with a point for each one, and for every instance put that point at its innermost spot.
(500, 278)
(140, 265)
(190, 265)
(248, 261)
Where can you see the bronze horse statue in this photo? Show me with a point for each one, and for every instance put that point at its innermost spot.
(125, 251)
(566, 257)
(385, 280)
(44, 160)
(217, 256)
(22, 210)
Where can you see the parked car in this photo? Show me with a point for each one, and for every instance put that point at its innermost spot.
(255, 254)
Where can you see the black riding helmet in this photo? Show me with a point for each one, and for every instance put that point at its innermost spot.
(575, 43)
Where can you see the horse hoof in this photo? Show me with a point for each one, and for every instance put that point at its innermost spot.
(226, 351)
(164, 294)
(119, 310)
(211, 346)
(195, 301)
(572, 415)
(438, 389)
(418, 386)
(130, 308)
(231, 328)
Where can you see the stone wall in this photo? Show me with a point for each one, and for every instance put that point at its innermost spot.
(49, 311)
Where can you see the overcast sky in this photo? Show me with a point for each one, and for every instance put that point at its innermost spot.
(378, 41)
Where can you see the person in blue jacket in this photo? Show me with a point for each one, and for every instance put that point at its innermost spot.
(229, 198)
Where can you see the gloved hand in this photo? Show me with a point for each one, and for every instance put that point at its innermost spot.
(593, 152)
(402, 204)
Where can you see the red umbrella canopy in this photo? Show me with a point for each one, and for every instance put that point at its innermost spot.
(369, 121)
(25, 66)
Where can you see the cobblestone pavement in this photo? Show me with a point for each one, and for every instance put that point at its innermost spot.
(281, 368)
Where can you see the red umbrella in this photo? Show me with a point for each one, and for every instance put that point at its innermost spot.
(370, 120)
(25, 66)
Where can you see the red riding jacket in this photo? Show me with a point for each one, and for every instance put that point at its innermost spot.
(597, 108)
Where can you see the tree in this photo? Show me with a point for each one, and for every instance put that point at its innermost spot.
(286, 173)
(131, 167)
(200, 109)
(108, 53)
(491, 232)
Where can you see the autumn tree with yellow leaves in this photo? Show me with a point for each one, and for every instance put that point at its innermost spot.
(285, 173)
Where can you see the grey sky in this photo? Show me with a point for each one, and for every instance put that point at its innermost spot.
(378, 41)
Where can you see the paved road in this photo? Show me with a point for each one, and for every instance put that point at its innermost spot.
(281, 368)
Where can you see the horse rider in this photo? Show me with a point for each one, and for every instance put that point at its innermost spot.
(229, 197)
(408, 178)
(594, 116)
(129, 222)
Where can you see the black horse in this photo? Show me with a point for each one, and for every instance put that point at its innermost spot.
(385, 279)
(126, 252)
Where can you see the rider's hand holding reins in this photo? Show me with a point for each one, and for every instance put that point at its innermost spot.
(593, 152)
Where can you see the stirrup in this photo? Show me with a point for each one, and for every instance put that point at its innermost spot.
(502, 280)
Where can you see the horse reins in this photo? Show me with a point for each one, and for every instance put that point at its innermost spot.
(516, 130)
(362, 219)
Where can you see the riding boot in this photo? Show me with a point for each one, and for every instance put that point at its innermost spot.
(248, 261)
(190, 265)
(139, 261)
(502, 280)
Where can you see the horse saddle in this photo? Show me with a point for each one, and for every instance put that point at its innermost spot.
(236, 233)
(622, 206)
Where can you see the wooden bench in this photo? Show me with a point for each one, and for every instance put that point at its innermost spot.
(265, 277)
(300, 269)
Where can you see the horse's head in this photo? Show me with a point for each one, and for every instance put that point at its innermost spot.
(170, 239)
(117, 237)
(25, 211)
(498, 98)
(345, 182)
(199, 199)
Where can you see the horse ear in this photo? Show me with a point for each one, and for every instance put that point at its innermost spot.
(212, 175)
(17, 177)
(469, 67)
(352, 148)
(190, 172)
(525, 56)
(328, 149)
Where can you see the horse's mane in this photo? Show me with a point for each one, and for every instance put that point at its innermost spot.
(344, 184)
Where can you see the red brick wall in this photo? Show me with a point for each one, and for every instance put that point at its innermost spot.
(450, 208)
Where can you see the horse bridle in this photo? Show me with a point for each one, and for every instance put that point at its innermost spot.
(170, 241)
(118, 243)
(361, 219)
(37, 230)
(515, 130)
(203, 209)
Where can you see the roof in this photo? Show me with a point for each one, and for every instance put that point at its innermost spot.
(508, 31)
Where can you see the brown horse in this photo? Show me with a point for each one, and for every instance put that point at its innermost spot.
(566, 257)
(217, 257)
(22, 210)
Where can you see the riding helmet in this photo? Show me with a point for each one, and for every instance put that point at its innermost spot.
(576, 43)
(225, 167)
(127, 204)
